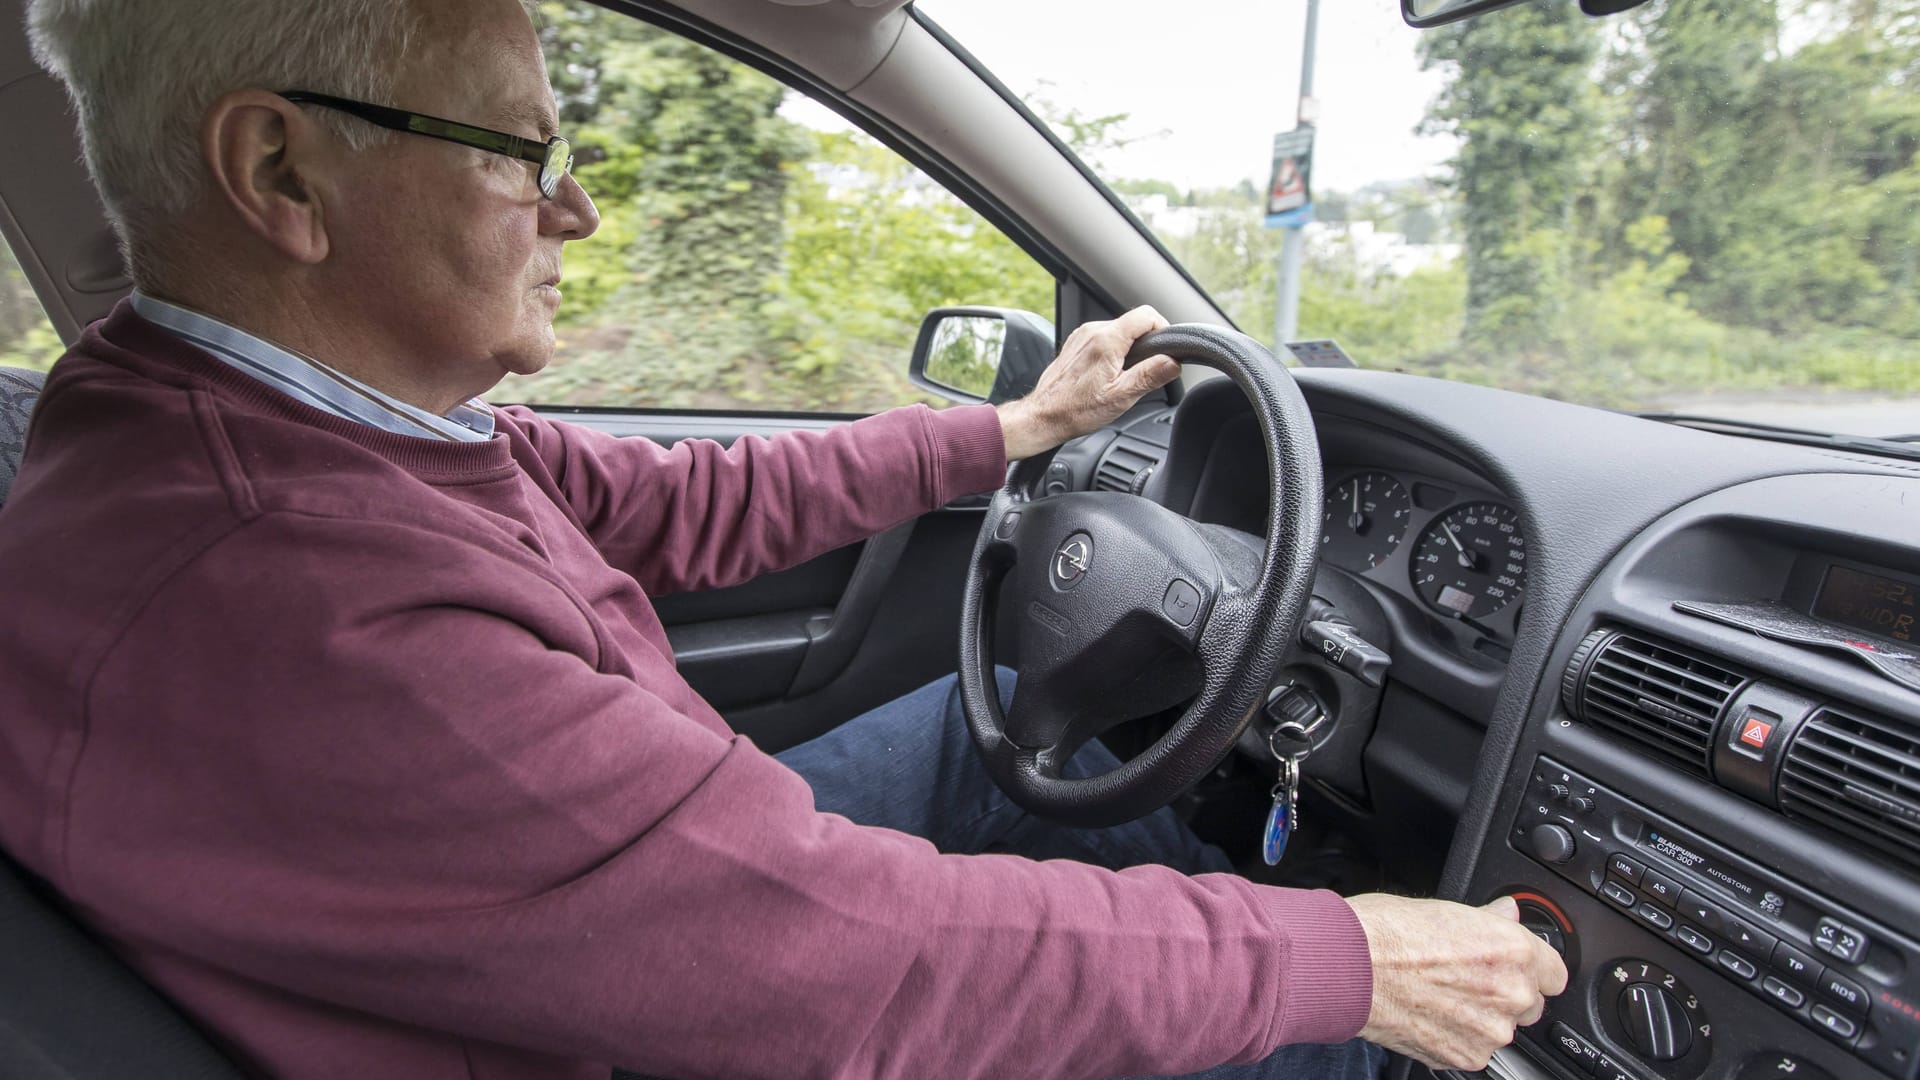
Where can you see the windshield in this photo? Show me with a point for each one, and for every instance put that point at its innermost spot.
(1703, 208)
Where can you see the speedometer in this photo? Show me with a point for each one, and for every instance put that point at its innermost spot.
(1472, 561)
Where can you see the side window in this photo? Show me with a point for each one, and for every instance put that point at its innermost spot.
(27, 339)
(754, 252)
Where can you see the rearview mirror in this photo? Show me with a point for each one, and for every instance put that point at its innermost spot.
(1425, 14)
(981, 354)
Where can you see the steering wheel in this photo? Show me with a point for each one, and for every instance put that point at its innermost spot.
(1126, 608)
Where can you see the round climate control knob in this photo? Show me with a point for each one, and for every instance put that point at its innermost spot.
(1655, 1022)
(1648, 1009)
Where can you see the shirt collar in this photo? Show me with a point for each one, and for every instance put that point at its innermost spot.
(312, 382)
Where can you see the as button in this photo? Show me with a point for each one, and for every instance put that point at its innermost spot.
(1663, 890)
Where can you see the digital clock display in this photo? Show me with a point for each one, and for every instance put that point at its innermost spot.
(1878, 605)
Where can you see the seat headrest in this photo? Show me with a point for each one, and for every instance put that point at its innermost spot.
(19, 389)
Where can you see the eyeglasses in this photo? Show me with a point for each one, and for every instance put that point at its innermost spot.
(555, 156)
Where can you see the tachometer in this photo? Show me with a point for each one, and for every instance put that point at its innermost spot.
(1472, 560)
(1365, 520)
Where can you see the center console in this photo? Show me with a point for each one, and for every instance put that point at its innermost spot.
(1717, 825)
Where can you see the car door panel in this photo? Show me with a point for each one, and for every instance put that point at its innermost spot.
(792, 653)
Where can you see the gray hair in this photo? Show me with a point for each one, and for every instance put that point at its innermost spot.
(142, 74)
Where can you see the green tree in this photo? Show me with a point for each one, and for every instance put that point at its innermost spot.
(1523, 102)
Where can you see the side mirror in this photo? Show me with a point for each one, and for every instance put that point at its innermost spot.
(981, 354)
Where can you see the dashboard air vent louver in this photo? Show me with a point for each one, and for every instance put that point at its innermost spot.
(1858, 777)
(1122, 466)
(1660, 696)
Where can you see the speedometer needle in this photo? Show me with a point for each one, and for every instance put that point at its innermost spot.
(1466, 560)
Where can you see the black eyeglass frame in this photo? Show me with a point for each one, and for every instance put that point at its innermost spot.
(554, 156)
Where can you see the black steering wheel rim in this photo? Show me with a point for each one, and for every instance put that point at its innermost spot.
(1248, 612)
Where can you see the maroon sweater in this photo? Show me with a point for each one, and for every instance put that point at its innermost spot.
(370, 752)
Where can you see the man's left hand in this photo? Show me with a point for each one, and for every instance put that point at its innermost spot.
(1085, 388)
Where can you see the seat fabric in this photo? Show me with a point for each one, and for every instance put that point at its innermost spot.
(19, 389)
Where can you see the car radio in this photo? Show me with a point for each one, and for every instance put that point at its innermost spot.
(1837, 971)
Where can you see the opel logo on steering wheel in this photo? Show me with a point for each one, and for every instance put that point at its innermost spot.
(1071, 561)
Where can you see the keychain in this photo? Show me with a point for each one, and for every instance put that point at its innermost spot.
(1290, 742)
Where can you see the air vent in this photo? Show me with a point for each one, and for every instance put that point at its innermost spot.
(1858, 777)
(1660, 696)
(1125, 463)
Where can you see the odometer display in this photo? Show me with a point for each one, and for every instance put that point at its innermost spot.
(1472, 561)
(1364, 521)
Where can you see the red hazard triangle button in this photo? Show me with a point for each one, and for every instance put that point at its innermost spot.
(1755, 732)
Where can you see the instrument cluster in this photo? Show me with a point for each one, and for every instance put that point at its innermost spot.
(1460, 552)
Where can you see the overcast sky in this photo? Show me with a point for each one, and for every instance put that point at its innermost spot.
(1218, 78)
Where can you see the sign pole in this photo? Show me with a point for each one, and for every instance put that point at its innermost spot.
(1286, 316)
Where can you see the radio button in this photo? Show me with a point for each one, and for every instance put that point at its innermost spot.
(1791, 961)
(1619, 894)
(1626, 869)
(1654, 917)
(1662, 890)
(1699, 910)
(1840, 941)
(1694, 939)
(1847, 992)
(1736, 964)
(1834, 1022)
(1781, 992)
(1748, 936)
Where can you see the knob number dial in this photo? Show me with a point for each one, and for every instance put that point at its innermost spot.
(1649, 1009)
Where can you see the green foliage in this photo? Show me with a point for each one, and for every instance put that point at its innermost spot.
(37, 348)
(872, 246)
(965, 353)
(1671, 202)
(1525, 107)
(27, 339)
(744, 260)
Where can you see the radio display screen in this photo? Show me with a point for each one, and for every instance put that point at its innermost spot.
(1869, 602)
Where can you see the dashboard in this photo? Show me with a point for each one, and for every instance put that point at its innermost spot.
(1658, 684)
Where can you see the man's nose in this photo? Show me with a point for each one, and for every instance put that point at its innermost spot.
(570, 214)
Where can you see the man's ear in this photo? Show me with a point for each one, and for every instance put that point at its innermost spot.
(268, 162)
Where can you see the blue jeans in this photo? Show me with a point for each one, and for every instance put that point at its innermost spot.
(910, 765)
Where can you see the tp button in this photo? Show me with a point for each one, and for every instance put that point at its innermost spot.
(1181, 603)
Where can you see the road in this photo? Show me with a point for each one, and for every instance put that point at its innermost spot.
(1853, 415)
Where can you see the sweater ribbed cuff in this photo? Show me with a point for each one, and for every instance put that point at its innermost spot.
(972, 450)
(1327, 989)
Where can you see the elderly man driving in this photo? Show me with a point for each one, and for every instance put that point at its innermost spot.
(334, 700)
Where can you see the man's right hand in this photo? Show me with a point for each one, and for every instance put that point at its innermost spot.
(1451, 982)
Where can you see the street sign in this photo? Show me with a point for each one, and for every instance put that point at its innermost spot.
(1288, 192)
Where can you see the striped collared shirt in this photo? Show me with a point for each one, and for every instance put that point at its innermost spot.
(311, 382)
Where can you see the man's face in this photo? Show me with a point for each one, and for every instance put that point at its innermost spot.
(449, 253)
